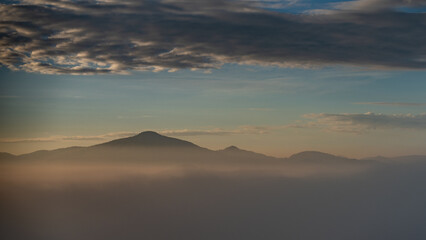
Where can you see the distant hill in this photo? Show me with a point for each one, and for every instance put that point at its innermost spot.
(234, 152)
(317, 156)
(6, 156)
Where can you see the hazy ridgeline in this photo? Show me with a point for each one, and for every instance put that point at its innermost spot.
(194, 193)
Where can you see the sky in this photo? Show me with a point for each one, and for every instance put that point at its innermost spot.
(275, 77)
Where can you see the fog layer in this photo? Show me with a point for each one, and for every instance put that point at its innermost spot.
(304, 200)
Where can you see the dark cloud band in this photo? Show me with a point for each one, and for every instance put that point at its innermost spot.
(92, 37)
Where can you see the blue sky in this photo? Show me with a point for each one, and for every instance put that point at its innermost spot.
(42, 106)
(342, 89)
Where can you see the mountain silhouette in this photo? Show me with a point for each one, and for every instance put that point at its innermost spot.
(149, 139)
(145, 147)
(151, 147)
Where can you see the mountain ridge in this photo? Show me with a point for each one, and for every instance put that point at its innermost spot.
(157, 143)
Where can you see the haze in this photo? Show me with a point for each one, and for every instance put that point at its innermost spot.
(151, 186)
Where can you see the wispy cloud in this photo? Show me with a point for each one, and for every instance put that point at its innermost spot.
(377, 5)
(83, 37)
(169, 132)
(367, 6)
(218, 131)
(399, 104)
(58, 138)
(361, 122)
(273, 4)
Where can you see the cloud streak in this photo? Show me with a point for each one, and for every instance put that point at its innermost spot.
(56, 138)
(361, 122)
(83, 37)
(397, 104)
(218, 131)
(171, 132)
(375, 5)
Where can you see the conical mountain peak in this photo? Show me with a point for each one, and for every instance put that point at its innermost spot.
(149, 139)
(231, 148)
(147, 134)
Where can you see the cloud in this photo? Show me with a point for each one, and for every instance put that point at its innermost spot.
(102, 137)
(218, 131)
(274, 4)
(399, 104)
(83, 37)
(171, 132)
(375, 5)
(361, 122)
